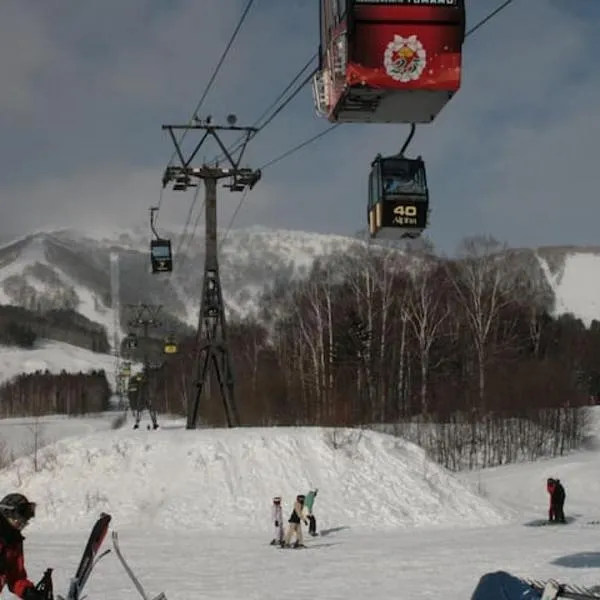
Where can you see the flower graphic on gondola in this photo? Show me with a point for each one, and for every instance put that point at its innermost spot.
(405, 58)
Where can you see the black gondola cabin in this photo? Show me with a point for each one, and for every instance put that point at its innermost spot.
(388, 61)
(160, 256)
(398, 198)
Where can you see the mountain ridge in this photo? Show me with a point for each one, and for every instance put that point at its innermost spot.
(70, 269)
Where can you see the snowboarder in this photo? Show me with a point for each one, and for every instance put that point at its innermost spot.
(295, 523)
(309, 503)
(277, 517)
(15, 513)
(557, 500)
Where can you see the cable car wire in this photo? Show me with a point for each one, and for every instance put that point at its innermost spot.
(318, 136)
(210, 83)
(295, 149)
(278, 109)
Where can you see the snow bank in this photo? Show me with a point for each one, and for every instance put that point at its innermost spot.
(212, 479)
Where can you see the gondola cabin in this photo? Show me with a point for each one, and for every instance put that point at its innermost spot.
(398, 198)
(131, 341)
(170, 346)
(396, 61)
(160, 256)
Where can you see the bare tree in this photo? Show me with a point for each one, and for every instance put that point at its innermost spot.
(427, 309)
(479, 281)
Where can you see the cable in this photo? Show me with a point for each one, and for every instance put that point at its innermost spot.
(257, 124)
(314, 138)
(210, 83)
(472, 30)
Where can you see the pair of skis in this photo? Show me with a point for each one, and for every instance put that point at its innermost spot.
(89, 559)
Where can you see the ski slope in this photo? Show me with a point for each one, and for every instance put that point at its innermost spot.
(52, 356)
(192, 510)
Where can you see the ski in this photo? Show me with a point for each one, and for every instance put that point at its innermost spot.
(89, 558)
(136, 582)
(552, 589)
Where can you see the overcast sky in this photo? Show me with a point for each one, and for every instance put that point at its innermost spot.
(86, 86)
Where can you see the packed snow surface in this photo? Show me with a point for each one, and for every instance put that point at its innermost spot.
(192, 510)
(213, 479)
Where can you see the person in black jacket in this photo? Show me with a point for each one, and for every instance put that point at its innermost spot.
(557, 501)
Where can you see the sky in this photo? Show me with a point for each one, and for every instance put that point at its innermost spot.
(87, 86)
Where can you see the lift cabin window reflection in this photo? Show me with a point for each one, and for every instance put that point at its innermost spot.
(403, 177)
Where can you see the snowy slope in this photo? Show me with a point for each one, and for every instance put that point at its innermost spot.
(224, 479)
(523, 487)
(179, 551)
(576, 285)
(19, 436)
(55, 357)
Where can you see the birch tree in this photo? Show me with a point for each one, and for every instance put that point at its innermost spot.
(427, 309)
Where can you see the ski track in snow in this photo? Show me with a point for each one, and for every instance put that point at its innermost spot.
(192, 511)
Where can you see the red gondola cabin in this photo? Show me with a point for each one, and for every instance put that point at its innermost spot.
(388, 61)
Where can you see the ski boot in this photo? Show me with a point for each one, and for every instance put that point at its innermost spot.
(298, 545)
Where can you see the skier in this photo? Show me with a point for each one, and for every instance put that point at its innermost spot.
(557, 500)
(277, 516)
(15, 513)
(309, 503)
(295, 523)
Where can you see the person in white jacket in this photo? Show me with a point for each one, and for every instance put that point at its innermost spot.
(277, 519)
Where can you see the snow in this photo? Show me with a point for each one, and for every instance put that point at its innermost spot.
(577, 287)
(55, 357)
(210, 479)
(192, 510)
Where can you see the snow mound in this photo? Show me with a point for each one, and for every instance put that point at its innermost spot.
(215, 479)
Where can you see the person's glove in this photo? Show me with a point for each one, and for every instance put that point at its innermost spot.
(32, 594)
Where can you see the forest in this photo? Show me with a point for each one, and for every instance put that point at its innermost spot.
(462, 355)
(44, 393)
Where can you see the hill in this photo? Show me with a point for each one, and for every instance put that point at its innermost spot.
(70, 270)
(225, 479)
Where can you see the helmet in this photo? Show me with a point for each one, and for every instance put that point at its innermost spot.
(300, 497)
(277, 499)
(16, 507)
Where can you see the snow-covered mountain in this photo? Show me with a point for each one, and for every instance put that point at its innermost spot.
(70, 269)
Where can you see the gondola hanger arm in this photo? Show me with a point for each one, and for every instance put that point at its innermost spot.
(408, 139)
(153, 211)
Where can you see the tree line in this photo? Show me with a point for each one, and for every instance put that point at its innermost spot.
(44, 393)
(462, 356)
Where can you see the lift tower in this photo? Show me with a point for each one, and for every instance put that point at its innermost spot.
(211, 348)
(145, 317)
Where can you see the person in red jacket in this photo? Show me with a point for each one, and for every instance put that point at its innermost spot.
(557, 500)
(15, 513)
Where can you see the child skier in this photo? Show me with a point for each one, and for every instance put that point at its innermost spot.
(295, 524)
(277, 517)
(309, 503)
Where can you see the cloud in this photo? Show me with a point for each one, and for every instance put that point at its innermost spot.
(513, 154)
